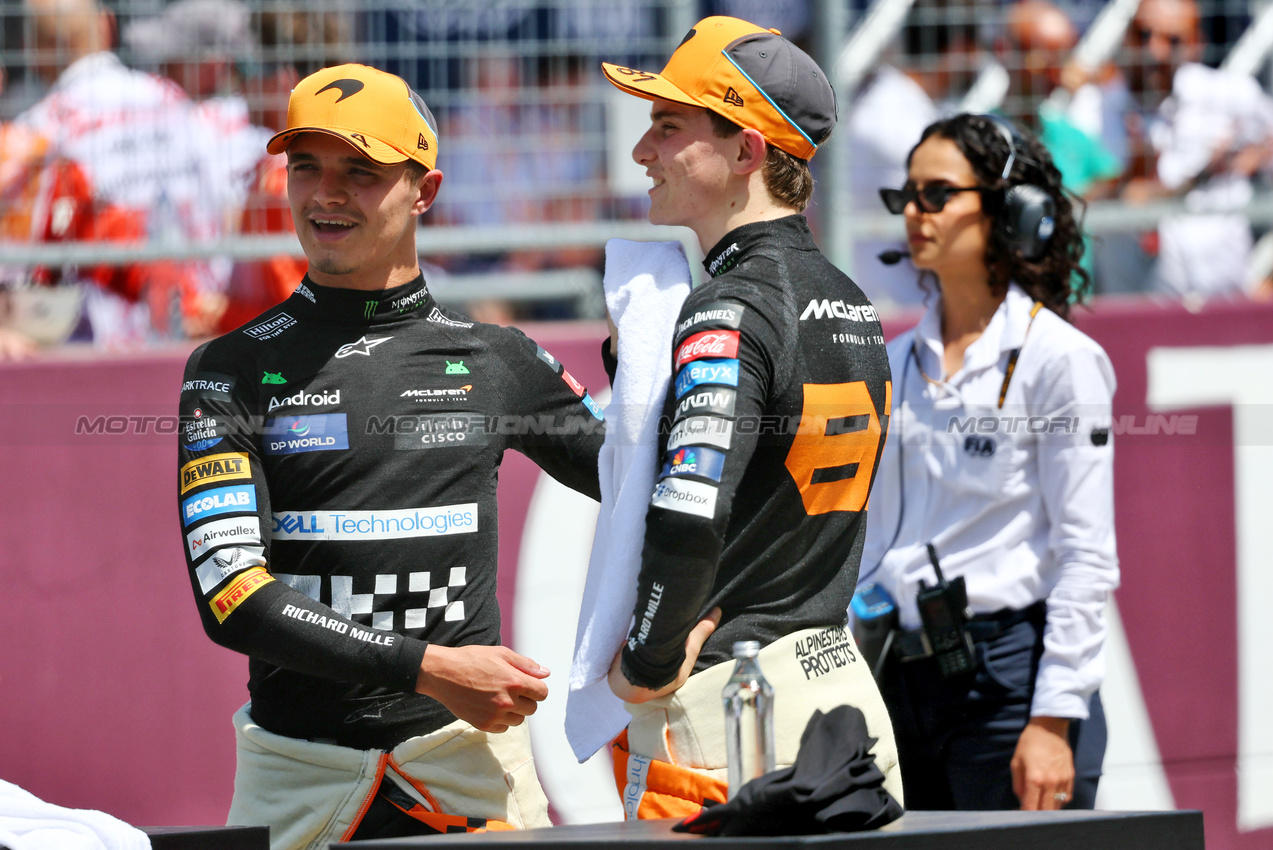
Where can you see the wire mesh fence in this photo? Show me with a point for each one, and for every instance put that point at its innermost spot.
(162, 219)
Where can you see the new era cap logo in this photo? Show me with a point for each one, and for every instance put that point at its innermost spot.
(732, 97)
(347, 88)
(422, 143)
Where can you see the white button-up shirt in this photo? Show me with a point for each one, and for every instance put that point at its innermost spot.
(1016, 499)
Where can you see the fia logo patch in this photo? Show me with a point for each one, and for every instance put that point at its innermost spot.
(979, 446)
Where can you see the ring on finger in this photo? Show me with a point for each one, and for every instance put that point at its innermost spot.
(1061, 797)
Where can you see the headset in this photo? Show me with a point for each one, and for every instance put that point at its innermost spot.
(1028, 217)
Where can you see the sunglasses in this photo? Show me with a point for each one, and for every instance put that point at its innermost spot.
(930, 199)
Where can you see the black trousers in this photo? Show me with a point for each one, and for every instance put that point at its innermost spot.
(956, 737)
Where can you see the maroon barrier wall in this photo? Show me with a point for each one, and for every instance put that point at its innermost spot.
(112, 698)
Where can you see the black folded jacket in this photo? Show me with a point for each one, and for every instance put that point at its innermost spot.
(834, 786)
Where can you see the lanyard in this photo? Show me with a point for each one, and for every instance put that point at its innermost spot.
(1013, 355)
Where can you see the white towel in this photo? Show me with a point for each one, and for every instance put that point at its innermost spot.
(29, 823)
(645, 284)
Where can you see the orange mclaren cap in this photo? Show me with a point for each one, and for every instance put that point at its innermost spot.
(748, 74)
(374, 111)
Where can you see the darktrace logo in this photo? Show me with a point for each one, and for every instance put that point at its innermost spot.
(733, 98)
(346, 87)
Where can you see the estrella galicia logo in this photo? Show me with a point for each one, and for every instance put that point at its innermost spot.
(320, 432)
(346, 87)
(979, 446)
(706, 372)
(694, 460)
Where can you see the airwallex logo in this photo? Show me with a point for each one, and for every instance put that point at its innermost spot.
(294, 434)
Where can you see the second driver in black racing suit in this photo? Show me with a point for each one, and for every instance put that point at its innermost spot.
(775, 420)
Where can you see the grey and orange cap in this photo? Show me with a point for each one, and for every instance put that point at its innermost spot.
(748, 74)
(374, 111)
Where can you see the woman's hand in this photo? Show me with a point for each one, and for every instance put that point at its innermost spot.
(1043, 765)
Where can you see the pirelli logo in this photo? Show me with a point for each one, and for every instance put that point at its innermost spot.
(214, 468)
(224, 603)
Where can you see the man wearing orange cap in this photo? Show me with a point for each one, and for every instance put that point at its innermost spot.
(778, 410)
(337, 500)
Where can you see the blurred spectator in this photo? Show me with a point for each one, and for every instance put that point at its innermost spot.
(208, 48)
(141, 147)
(202, 46)
(1038, 39)
(1203, 133)
(46, 197)
(930, 67)
(495, 178)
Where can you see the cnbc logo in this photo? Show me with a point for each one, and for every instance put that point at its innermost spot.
(684, 462)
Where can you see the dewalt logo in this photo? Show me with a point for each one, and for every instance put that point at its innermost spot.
(214, 468)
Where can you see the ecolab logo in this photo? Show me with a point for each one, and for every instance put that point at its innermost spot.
(219, 501)
(828, 309)
(707, 344)
(304, 399)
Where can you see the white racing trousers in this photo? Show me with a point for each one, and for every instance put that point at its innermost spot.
(676, 743)
(311, 794)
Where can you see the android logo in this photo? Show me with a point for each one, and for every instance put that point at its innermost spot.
(456, 368)
(273, 378)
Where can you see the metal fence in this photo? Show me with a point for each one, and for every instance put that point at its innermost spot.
(535, 144)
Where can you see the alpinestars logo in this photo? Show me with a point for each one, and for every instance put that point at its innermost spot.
(347, 88)
(363, 346)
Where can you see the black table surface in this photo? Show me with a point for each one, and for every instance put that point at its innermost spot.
(1066, 830)
(208, 837)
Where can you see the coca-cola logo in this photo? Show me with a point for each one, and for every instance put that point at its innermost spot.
(707, 344)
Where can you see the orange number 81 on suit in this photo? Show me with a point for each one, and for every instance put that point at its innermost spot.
(833, 453)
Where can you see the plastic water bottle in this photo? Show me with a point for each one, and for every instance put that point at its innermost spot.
(749, 718)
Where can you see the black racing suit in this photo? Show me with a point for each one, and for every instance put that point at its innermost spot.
(337, 491)
(771, 435)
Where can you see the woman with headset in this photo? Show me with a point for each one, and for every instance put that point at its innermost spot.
(991, 523)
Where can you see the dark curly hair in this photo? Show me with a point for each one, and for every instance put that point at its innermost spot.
(1057, 279)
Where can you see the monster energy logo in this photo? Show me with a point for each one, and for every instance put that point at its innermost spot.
(369, 308)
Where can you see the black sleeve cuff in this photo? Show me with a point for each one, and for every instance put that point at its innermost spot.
(644, 676)
(608, 360)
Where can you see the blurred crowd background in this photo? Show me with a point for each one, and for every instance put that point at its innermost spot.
(138, 206)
